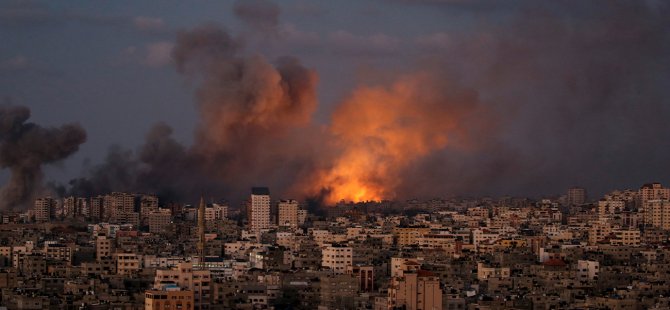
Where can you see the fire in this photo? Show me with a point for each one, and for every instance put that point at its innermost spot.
(380, 131)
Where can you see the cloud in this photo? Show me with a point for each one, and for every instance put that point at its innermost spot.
(16, 63)
(153, 54)
(309, 9)
(348, 43)
(260, 15)
(148, 23)
(433, 41)
(295, 36)
(22, 13)
(25, 147)
(158, 54)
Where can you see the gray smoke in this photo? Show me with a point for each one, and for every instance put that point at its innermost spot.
(260, 15)
(570, 93)
(249, 111)
(25, 147)
(580, 93)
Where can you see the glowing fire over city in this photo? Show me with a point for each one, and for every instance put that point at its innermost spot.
(379, 131)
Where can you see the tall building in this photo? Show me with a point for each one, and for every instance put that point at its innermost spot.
(97, 207)
(82, 207)
(119, 205)
(45, 209)
(159, 220)
(652, 191)
(258, 209)
(201, 231)
(288, 213)
(69, 205)
(148, 205)
(418, 290)
(104, 247)
(576, 196)
(656, 213)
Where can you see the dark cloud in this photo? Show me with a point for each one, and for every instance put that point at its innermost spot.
(577, 90)
(260, 15)
(25, 147)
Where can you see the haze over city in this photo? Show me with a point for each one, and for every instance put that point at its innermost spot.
(354, 100)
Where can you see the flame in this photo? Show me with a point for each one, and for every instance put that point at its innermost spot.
(380, 131)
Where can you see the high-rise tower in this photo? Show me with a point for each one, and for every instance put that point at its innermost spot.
(258, 209)
(201, 232)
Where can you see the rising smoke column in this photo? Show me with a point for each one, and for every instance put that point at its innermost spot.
(249, 108)
(251, 129)
(549, 95)
(383, 130)
(25, 147)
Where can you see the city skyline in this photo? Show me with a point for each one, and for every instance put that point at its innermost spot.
(407, 99)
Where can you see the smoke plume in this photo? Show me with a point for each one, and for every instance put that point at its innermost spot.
(251, 115)
(383, 130)
(547, 97)
(25, 147)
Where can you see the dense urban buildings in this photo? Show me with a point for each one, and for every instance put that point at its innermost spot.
(507, 253)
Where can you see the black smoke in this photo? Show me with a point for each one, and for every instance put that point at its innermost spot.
(25, 147)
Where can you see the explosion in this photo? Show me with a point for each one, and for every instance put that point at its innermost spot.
(383, 130)
(25, 147)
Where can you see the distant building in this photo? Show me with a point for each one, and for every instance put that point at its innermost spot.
(416, 291)
(159, 220)
(302, 216)
(104, 247)
(97, 207)
(576, 196)
(337, 258)
(587, 270)
(258, 209)
(288, 213)
(119, 205)
(216, 212)
(365, 276)
(652, 191)
(45, 209)
(609, 207)
(185, 276)
(127, 263)
(656, 213)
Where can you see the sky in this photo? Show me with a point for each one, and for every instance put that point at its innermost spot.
(520, 97)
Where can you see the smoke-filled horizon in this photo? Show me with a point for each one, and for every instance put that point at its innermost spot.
(25, 147)
(549, 97)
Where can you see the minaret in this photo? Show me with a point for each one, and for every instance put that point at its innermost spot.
(201, 232)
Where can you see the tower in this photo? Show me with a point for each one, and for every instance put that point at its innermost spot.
(258, 209)
(201, 231)
(576, 196)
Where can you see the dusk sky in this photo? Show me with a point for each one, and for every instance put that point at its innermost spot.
(463, 97)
